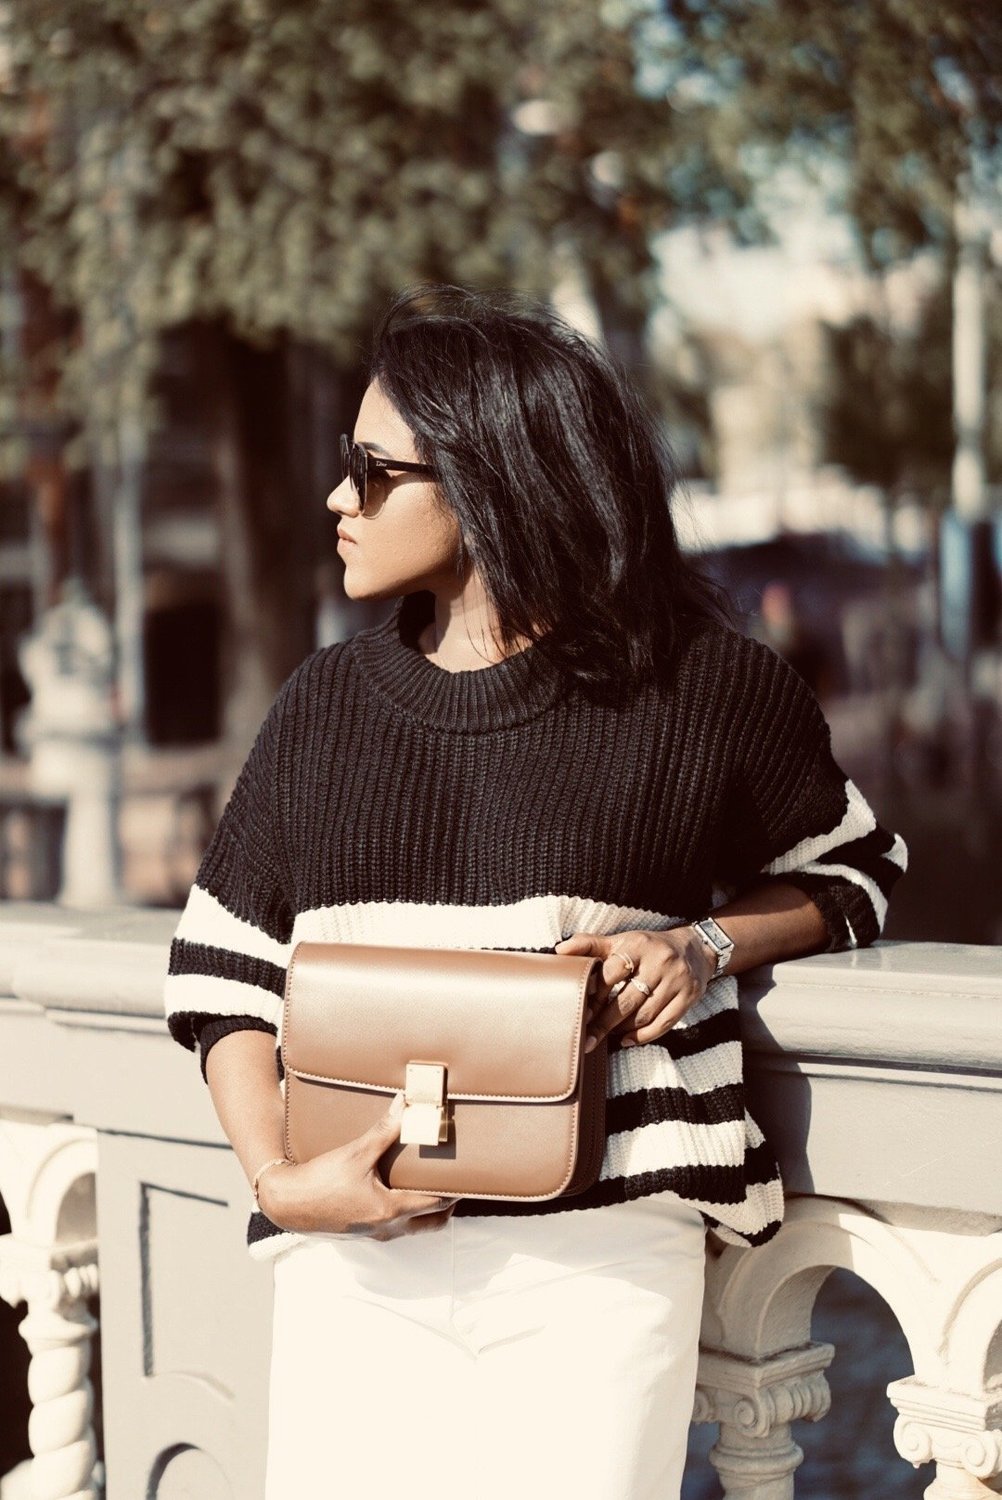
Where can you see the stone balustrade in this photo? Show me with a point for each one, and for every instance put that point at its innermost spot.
(877, 1074)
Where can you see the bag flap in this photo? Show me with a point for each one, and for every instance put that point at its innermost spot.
(506, 1025)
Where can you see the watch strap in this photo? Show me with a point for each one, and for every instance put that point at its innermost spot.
(716, 939)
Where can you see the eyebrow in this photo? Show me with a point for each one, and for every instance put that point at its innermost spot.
(375, 447)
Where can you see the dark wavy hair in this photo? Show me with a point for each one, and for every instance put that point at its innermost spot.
(560, 478)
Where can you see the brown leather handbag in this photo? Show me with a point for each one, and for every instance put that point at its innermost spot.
(500, 1098)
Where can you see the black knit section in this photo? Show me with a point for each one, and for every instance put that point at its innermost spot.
(654, 1105)
(844, 905)
(349, 796)
(245, 869)
(686, 1041)
(377, 805)
(260, 1227)
(787, 787)
(222, 963)
(245, 865)
(843, 902)
(760, 1164)
(708, 1184)
(477, 701)
(219, 1026)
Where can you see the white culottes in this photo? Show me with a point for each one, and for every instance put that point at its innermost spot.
(543, 1357)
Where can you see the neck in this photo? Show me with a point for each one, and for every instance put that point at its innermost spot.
(463, 635)
(478, 700)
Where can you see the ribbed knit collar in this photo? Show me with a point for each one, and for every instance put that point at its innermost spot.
(477, 701)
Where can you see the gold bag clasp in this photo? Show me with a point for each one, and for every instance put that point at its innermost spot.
(425, 1120)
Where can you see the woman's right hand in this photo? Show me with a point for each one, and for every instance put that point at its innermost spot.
(341, 1191)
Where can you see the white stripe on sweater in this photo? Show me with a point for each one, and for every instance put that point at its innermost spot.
(674, 1143)
(206, 920)
(220, 997)
(534, 922)
(898, 853)
(634, 1069)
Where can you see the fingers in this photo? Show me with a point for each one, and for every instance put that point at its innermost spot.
(618, 952)
(418, 1223)
(638, 1017)
(395, 1229)
(645, 1026)
(663, 1010)
(624, 1001)
(374, 1141)
(582, 943)
(440, 1203)
(403, 1202)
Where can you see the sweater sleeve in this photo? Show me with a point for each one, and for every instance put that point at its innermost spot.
(231, 947)
(792, 815)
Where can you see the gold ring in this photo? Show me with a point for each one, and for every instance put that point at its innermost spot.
(626, 959)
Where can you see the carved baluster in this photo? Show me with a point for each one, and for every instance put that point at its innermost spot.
(55, 1283)
(754, 1402)
(961, 1433)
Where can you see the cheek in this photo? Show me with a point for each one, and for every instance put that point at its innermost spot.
(425, 538)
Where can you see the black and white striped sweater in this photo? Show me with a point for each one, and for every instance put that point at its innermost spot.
(388, 800)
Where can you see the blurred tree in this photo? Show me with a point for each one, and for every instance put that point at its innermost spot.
(274, 169)
(894, 107)
(904, 93)
(887, 417)
(271, 170)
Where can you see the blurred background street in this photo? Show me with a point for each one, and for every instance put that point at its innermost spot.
(783, 219)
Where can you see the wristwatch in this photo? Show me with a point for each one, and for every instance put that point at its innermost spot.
(715, 938)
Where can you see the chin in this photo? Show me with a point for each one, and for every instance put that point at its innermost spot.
(355, 588)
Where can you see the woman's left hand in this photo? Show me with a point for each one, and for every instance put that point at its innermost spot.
(675, 964)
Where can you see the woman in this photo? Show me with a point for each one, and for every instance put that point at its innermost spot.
(556, 741)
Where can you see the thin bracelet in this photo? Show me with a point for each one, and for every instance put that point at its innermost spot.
(276, 1161)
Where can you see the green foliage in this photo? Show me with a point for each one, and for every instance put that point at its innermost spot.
(284, 165)
(904, 92)
(888, 416)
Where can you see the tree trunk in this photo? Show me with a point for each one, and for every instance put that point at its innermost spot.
(275, 417)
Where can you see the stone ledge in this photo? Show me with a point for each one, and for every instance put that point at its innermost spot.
(854, 1005)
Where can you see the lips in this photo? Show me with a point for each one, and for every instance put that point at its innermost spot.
(345, 537)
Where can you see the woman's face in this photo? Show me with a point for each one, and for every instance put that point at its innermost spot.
(408, 537)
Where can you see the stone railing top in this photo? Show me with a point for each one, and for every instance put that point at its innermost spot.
(932, 1005)
(112, 961)
(871, 1071)
(935, 1005)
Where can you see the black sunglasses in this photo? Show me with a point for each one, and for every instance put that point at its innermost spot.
(361, 466)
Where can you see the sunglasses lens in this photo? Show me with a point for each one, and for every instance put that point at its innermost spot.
(358, 474)
(353, 467)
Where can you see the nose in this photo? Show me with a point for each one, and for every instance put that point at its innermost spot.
(343, 501)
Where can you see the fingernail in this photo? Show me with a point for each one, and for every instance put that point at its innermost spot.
(628, 1042)
(591, 1044)
(397, 1104)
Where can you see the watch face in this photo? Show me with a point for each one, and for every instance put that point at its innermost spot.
(716, 934)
